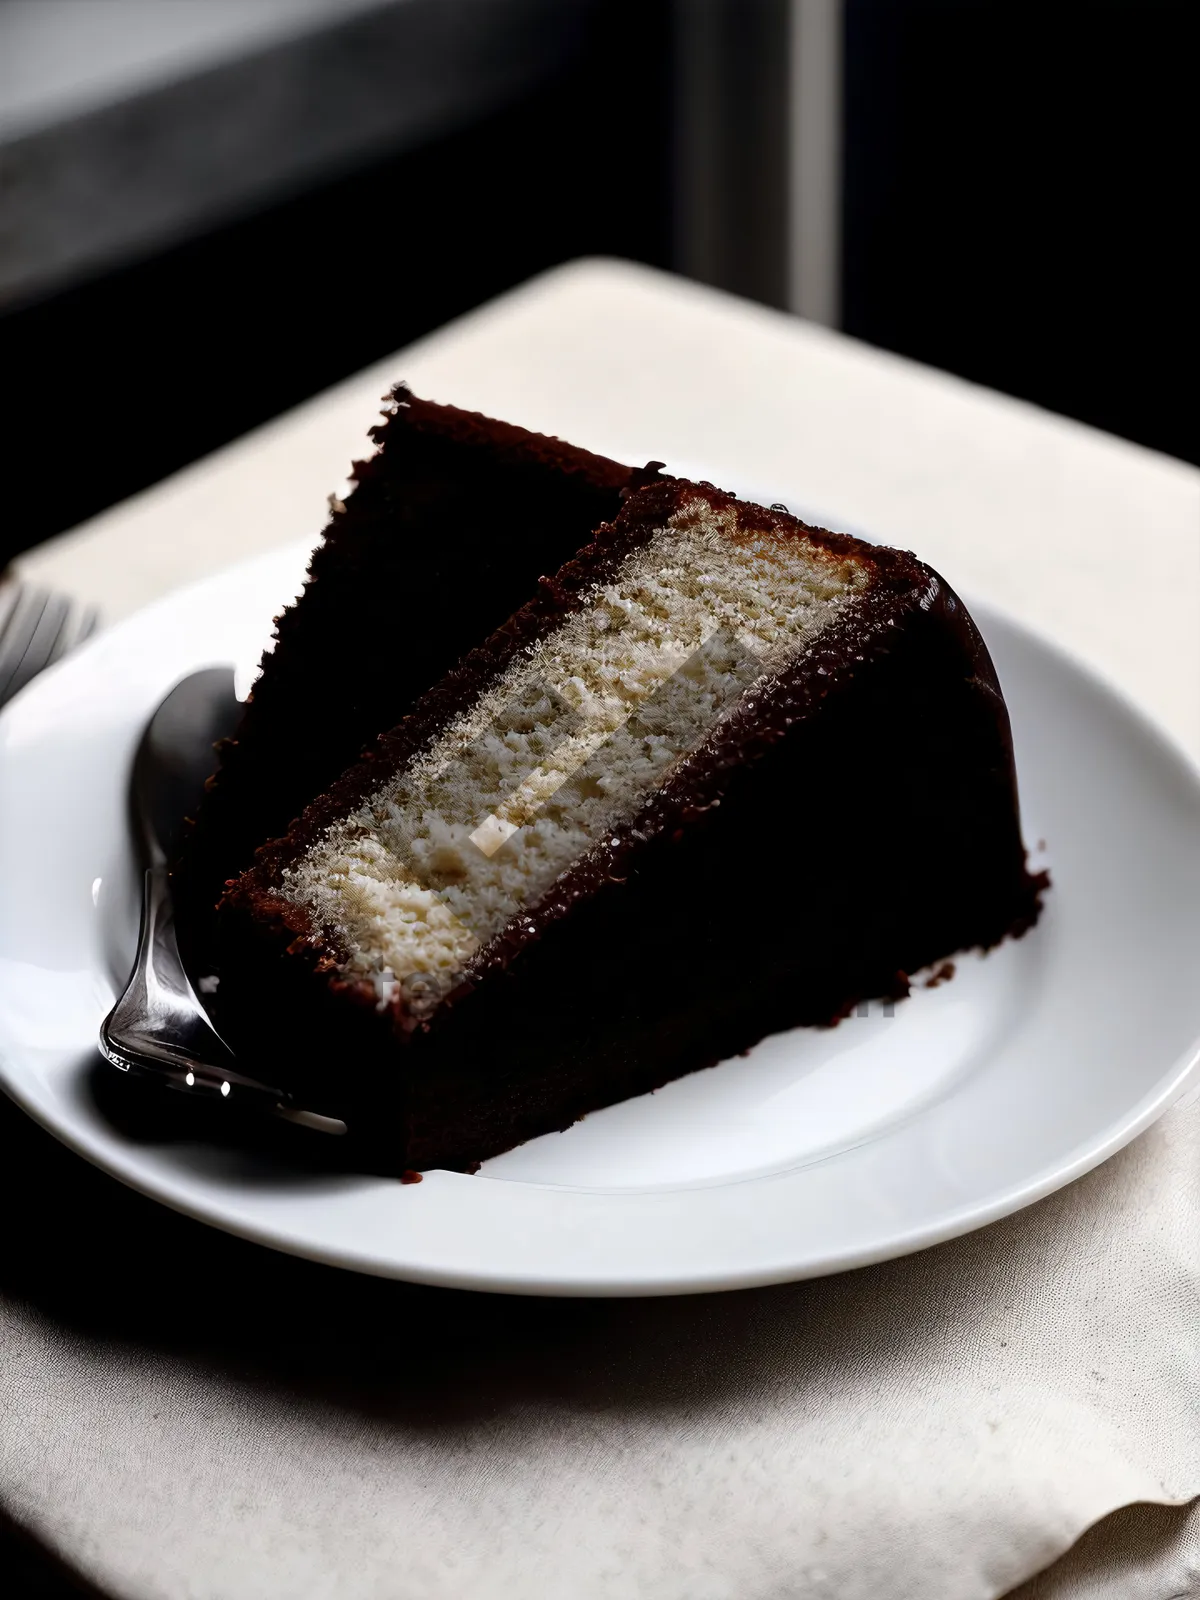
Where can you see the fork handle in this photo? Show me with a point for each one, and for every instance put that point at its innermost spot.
(158, 1026)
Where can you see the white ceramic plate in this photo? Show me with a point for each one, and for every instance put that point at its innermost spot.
(821, 1151)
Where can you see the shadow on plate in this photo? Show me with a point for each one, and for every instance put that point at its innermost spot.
(218, 1138)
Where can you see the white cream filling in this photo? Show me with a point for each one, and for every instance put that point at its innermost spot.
(567, 744)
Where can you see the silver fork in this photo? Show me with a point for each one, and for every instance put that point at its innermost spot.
(159, 1028)
(37, 628)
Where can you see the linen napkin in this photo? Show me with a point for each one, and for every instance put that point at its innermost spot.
(185, 1414)
(1142, 1552)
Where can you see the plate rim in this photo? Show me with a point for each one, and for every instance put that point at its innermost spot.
(1168, 1088)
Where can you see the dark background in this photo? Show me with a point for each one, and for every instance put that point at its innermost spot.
(1018, 187)
(1020, 183)
(121, 380)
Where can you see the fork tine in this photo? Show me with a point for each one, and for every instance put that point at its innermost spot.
(19, 630)
(40, 640)
(79, 624)
(10, 596)
(46, 645)
(89, 621)
(37, 628)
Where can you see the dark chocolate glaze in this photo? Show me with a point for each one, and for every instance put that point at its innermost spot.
(446, 532)
(852, 820)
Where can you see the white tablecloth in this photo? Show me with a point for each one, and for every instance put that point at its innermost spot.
(182, 1414)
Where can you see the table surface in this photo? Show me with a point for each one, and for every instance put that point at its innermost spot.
(1093, 541)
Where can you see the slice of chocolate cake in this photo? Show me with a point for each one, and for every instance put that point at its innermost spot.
(447, 530)
(723, 775)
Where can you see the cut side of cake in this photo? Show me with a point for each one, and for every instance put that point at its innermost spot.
(448, 528)
(721, 776)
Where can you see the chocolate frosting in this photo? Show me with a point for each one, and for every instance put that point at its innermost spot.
(903, 667)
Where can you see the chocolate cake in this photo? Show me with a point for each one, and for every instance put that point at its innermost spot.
(447, 529)
(722, 775)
